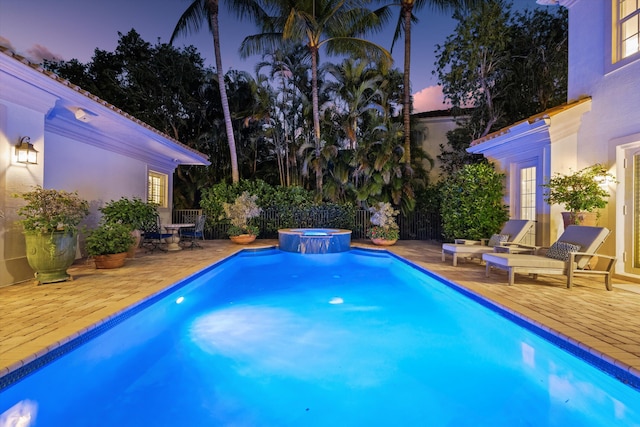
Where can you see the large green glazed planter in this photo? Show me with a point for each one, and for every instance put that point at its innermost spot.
(50, 255)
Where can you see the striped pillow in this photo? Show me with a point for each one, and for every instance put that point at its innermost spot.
(497, 239)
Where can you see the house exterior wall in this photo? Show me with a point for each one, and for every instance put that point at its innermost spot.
(611, 130)
(15, 120)
(103, 159)
(71, 165)
(434, 126)
(548, 143)
(599, 124)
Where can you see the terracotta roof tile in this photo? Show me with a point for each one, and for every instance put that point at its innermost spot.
(535, 118)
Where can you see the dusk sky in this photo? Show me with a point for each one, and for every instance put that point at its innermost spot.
(70, 29)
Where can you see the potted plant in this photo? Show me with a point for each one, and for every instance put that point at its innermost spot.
(385, 231)
(240, 213)
(50, 221)
(581, 193)
(108, 244)
(134, 213)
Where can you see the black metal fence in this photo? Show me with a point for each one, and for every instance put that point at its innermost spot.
(416, 226)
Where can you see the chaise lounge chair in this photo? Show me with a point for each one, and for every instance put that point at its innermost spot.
(512, 232)
(573, 253)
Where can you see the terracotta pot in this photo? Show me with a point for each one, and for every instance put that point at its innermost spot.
(384, 242)
(243, 239)
(580, 218)
(110, 260)
(137, 235)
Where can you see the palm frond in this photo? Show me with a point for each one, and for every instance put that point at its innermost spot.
(191, 20)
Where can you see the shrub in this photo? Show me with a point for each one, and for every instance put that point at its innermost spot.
(49, 210)
(109, 238)
(134, 212)
(472, 203)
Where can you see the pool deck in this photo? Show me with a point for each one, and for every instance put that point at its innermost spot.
(36, 319)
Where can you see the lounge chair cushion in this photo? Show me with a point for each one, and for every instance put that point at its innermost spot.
(589, 238)
(497, 239)
(467, 250)
(524, 260)
(561, 250)
(514, 230)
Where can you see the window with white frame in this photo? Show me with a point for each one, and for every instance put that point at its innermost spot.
(636, 211)
(627, 31)
(157, 188)
(528, 193)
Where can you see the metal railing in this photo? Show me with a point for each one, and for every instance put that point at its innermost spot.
(185, 216)
(416, 226)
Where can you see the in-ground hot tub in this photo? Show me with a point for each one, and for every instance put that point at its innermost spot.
(314, 240)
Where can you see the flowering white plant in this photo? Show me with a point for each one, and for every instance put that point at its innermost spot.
(384, 221)
(243, 208)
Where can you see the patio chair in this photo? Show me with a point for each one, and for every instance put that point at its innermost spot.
(573, 253)
(194, 234)
(152, 235)
(513, 231)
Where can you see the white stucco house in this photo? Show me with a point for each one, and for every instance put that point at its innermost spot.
(433, 127)
(600, 123)
(83, 144)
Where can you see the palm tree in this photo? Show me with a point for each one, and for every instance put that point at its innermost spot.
(197, 12)
(405, 18)
(357, 86)
(335, 24)
(289, 69)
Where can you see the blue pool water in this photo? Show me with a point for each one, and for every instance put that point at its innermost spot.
(358, 338)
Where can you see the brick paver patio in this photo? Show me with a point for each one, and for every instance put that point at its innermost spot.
(35, 319)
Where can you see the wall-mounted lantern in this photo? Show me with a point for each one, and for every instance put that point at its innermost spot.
(25, 151)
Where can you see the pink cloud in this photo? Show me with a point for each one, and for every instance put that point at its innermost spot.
(38, 53)
(429, 99)
(6, 43)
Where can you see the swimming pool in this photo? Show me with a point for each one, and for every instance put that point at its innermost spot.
(366, 339)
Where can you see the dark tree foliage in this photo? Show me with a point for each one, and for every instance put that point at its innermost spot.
(74, 71)
(457, 156)
(499, 68)
(540, 62)
(169, 89)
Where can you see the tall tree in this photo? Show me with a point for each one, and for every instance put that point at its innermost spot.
(336, 24)
(474, 62)
(501, 68)
(190, 21)
(408, 11)
(540, 60)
